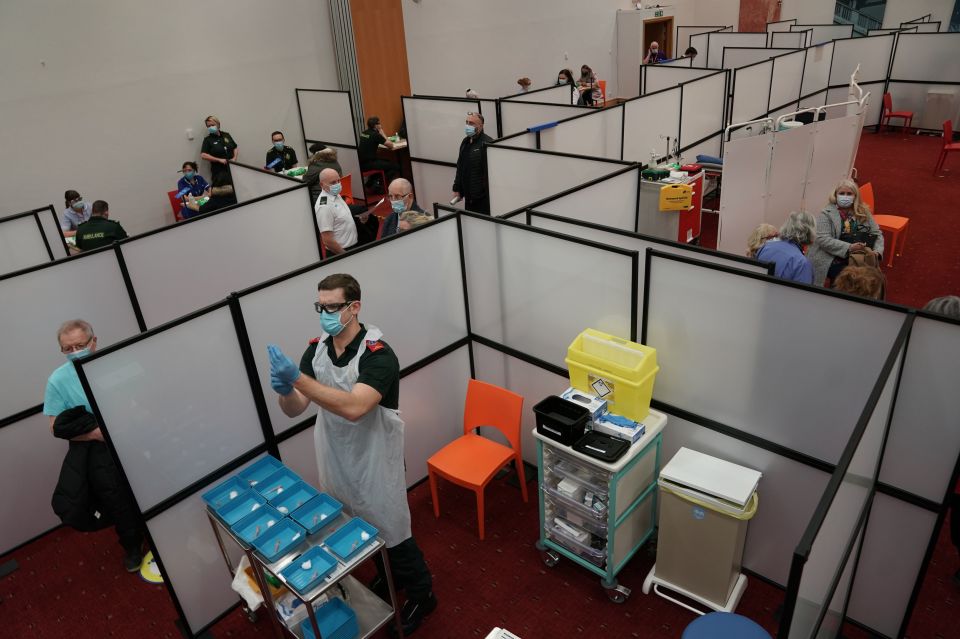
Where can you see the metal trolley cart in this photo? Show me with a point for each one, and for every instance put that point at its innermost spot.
(598, 514)
(368, 624)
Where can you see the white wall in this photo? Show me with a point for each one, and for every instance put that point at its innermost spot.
(98, 94)
(808, 11)
(905, 10)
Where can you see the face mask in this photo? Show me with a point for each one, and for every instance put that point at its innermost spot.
(83, 352)
(331, 324)
(78, 205)
(188, 174)
(470, 130)
(561, 81)
(844, 201)
(278, 146)
(212, 129)
(334, 189)
(654, 51)
(398, 206)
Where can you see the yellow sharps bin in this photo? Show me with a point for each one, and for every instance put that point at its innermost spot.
(617, 370)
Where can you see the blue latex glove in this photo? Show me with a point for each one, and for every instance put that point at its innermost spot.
(279, 386)
(282, 369)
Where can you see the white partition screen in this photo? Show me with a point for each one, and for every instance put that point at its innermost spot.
(282, 313)
(785, 188)
(685, 32)
(327, 116)
(821, 33)
(736, 57)
(489, 110)
(250, 183)
(751, 90)
(717, 41)
(745, 166)
(719, 337)
(786, 78)
(611, 202)
(433, 183)
(236, 237)
(788, 39)
(597, 134)
(699, 42)
(780, 25)
(816, 72)
(519, 281)
(435, 126)
(350, 163)
(51, 229)
(193, 413)
(36, 303)
(697, 121)
(21, 244)
(834, 148)
(519, 116)
(518, 177)
(871, 54)
(657, 76)
(677, 62)
(560, 94)
(646, 119)
(929, 57)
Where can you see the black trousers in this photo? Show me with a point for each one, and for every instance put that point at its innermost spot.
(477, 204)
(410, 571)
(117, 504)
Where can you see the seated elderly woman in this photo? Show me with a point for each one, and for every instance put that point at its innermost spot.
(786, 250)
(864, 281)
(759, 237)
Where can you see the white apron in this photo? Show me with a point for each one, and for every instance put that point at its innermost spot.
(361, 463)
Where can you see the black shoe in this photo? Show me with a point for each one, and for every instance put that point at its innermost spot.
(413, 613)
(380, 588)
(132, 561)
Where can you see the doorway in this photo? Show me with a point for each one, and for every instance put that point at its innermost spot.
(659, 30)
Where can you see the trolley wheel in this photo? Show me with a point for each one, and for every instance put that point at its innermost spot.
(550, 558)
(615, 592)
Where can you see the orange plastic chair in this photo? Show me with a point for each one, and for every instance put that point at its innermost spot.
(346, 188)
(895, 225)
(471, 460)
(603, 91)
(949, 146)
(175, 204)
(888, 112)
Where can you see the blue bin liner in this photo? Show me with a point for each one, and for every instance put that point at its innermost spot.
(348, 540)
(224, 492)
(303, 576)
(260, 470)
(317, 513)
(294, 497)
(336, 621)
(279, 539)
(256, 524)
(236, 509)
(273, 486)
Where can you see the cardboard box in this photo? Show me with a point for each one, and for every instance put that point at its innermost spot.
(592, 403)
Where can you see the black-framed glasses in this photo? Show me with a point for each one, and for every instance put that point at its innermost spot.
(394, 198)
(78, 347)
(331, 308)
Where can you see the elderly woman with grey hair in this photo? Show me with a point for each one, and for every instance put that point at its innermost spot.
(786, 251)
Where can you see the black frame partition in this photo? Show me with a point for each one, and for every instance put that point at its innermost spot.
(35, 213)
(353, 116)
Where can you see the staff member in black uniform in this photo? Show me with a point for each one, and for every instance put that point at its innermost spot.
(471, 180)
(370, 141)
(280, 151)
(98, 230)
(218, 147)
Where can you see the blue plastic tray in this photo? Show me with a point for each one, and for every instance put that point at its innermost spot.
(263, 468)
(317, 513)
(223, 493)
(294, 497)
(279, 539)
(336, 621)
(274, 486)
(303, 576)
(256, 524)
(348, 540)
(236, 509)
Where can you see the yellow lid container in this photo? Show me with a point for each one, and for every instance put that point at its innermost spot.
(620, 371)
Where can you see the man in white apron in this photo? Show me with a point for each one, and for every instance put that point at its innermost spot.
(354, 378)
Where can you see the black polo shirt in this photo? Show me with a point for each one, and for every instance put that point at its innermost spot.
(370, 140)
(221, 146)
(379, 366)
(287, 155)
(97, 232)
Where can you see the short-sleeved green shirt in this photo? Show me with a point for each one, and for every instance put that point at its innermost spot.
(379, 366)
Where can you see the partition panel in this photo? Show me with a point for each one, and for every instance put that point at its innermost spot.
(871, 54)
(598, 134)
(697, 118)
(236, 236)
(786, 78)
(792, 149)
(923, 27)
(517, 177)
(349, 161)
(816, 71)
(874, 103)
(751, 91)
(709, 147)
(684, 32)
(788, 39)
(45, 298)
(327, 116)
(176, 404)
(926, 57)
(914, 96)
(780, 25)
(519, 116)
(30, 470)
(719, 336)
(699, 42)
(518, 140)
(51, 229)
(560, 94)
(677, 62)
(745, 168)
(21, 244)
(519, 282)
(611, 202)
(834, 148)
(250, 183)
(490, 124)
(660, 77)
(736, 57)
(281, 313)
(717, 41)
(646, 119)
(821, 33)
(299, 454)
(435, 126)
(433, 183)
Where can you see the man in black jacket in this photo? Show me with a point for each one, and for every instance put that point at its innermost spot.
(471, 180)
(90, 493)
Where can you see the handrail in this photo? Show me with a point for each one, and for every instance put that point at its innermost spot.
(726, 131)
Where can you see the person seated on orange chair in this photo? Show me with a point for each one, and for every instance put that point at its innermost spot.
(845, 226)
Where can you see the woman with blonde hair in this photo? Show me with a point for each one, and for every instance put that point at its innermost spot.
(845, 226)
(759, 237)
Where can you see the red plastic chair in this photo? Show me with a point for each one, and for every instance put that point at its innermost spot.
(949, 146)
(383, 181)
(176, 205)
(471, 460)
(603, 91)
(888, 112)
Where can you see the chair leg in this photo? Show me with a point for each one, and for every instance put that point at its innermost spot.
(903, 242)
(521, 477)
(433, 492)
(480, 511)
(893, 248)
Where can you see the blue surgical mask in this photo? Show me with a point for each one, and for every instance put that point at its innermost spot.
(398, 206)
(334, 189)
(278, 146)
(188, 174)
(83, 352)
(470, 130)
(844, 201)
(212, 129)
(331, 324)
(78, 205)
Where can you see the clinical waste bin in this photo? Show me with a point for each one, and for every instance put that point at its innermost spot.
(705, 506)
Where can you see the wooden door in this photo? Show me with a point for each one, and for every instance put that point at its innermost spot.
(659, 30)
(755, 14)
(381, 46)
